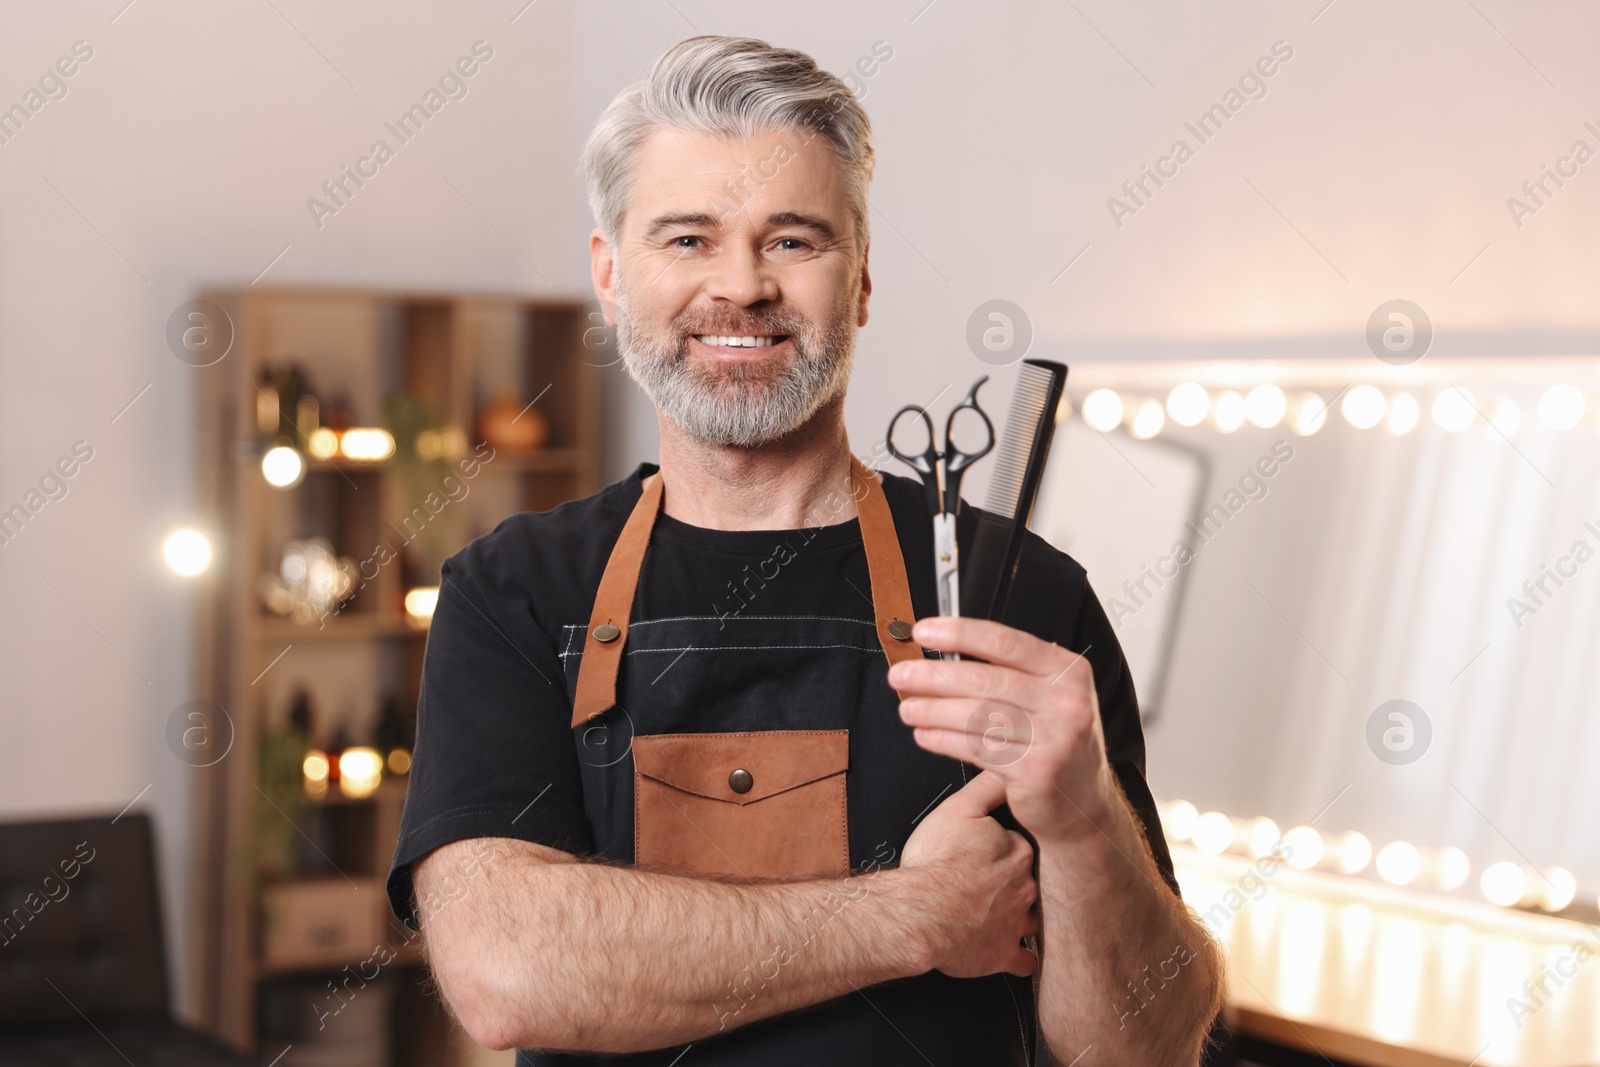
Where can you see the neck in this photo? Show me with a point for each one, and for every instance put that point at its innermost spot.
(782, 485)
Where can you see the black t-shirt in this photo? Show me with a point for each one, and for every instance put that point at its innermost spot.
(496, 755)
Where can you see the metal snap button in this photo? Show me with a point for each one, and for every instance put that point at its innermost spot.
(741, 781)
(900, 630)
(606, 633)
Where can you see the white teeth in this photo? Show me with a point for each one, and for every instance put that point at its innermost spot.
(736, 342)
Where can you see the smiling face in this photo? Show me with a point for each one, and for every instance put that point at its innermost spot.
(738, 282)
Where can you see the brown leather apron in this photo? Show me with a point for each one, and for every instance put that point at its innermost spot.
(752, 804)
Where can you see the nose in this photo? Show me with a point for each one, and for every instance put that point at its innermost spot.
(741, 276)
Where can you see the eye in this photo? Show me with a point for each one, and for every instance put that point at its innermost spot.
(796, 242)
(686, 237)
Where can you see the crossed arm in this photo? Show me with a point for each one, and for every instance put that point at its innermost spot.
(541, 950)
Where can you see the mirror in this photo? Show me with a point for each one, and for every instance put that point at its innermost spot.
(1354, 596)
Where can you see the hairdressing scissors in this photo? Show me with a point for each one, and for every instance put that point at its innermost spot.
(941, 478)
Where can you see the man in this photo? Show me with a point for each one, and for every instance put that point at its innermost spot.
(670, 798)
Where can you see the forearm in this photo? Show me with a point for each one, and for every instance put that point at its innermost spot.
(596, 958)
(1126, 967)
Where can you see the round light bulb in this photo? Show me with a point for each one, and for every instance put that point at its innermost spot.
(1453, 409)
(323, 443)
(1362, 407)
(1399, 863)
(1264, 406)
(1507, 419)
(1355, 852)
(1503, 883)
(1148, 418)
(1179, 820)
(1561, 407)
(1453, 868)
(1102, 409)
(1311, 413)
(283, 467)
(1404, 414)
(1188, 403)
(187, 552)
(1264, 837)
(1302, 848)
(1227, 414)
(1213, 833)
(1557, 889)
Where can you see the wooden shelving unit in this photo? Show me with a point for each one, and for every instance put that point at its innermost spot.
(454, 353)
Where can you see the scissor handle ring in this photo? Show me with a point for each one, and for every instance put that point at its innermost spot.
(924, 462)
(955, 459)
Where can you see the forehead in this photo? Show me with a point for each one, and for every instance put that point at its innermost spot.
(770, 172)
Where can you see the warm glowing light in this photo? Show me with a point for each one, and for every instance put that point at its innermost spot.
(1452, 868)
(1264, 837)
(1147, 420)
(1102, 409)
(1557, 889)
(187, 552)
(360, 770)
(315, 768)
(1399, 863)
(1507, 419)
(1503, 883)
(323, 443)
(420, 601)
(1453, 409)
(1213, 833)
(1227, 414)
(1310, 414)
(1354, 851)
(1561, 407)
(1179, 819)
(368, 445)
(1404, 414)
(283, 467)
(399, 761)
(1302, 848)
(1188, 403)
(1264, 406)
(1362, 407)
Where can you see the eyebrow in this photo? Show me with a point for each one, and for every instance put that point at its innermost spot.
(701, 219)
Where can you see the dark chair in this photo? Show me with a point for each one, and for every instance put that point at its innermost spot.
(83, 971)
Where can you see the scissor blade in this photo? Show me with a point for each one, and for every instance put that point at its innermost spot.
(946, 568)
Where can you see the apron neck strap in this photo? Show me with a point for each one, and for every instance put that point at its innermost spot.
(613, 602)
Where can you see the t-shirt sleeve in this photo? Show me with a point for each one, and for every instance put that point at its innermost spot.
(494, 754)
(1094, 638)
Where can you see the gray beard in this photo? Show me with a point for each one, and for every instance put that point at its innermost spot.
(736, 404)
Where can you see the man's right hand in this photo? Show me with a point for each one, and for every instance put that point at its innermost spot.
(975, 882)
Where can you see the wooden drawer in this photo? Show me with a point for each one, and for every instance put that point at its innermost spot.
(327, 921)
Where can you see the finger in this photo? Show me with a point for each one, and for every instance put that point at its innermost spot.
(992, 641)
(964, 678)
(987, 718)
(990, 753)
(978, 797)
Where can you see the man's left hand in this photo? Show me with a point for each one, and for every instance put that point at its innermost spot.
(1029, 713)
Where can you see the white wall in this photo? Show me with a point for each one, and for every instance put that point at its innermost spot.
(186, 148)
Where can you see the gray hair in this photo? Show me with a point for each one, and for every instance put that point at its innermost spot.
(731, 87)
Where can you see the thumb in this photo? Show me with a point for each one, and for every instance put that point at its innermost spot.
(978, 797)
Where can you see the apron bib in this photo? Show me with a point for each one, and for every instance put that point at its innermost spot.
(756, 747)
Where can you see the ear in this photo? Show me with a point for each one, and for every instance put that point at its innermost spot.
(866, 287)
(602, 269)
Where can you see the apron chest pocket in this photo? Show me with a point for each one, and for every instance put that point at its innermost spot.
(763, 804)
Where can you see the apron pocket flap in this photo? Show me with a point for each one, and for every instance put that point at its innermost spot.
(764, 763)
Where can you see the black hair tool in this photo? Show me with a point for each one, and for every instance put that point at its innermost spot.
(991, 567)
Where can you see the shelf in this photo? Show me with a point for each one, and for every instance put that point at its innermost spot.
(390, 791)
(351, 626)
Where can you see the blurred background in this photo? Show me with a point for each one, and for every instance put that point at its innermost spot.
(1324, 273)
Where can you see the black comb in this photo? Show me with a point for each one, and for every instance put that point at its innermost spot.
(990, 567)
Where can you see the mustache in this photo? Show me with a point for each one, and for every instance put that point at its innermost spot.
(783, 324)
